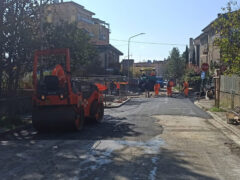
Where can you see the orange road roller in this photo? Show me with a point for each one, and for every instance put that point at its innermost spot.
(58, 101)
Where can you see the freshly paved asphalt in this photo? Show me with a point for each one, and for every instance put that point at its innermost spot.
(134, 141)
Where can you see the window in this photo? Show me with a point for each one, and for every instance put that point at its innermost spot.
(84, 19)
(102, 37)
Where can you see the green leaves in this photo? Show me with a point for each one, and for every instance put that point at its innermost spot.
(227, 26)
(65, 35)
(175, 65)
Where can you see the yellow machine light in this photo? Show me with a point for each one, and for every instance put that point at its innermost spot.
(43, 97)
(61, 96)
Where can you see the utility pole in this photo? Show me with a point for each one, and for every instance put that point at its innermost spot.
(129, 39)
(217, 89)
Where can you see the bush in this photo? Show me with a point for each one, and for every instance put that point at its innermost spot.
(192, 75)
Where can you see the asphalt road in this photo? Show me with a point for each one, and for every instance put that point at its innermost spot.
(147, 138)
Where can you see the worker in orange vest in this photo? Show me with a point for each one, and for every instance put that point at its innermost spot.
(169, 88)
(185, 88)
(118, 88)
(59, 72)
(156, 89)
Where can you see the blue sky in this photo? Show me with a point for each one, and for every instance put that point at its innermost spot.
(163, 21)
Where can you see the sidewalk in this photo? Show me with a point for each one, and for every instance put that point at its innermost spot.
(207, 105)
(219, 117)
(117, 103)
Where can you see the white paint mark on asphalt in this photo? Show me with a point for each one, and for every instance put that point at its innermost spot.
(152, 175)
(153, 172)
(101, 153)
(151, 146)
(154, 160)
(4, 143)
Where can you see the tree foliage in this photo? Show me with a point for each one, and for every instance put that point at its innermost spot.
(193, 76)
(185, 55)
(65, 35)
(17, 29)
(20, 36)
(227, 28)
(176, 65)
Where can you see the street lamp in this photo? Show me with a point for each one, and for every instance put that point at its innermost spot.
(129, 51)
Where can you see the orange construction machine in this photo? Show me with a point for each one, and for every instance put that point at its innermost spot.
(58, 101)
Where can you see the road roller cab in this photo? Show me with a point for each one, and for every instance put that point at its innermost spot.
(59, 102)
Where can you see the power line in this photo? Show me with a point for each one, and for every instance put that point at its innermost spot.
(120, 45)
(153, 43)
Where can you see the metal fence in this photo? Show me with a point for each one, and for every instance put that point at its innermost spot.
(230, 84)
(230, 91)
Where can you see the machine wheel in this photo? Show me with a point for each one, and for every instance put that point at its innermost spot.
(100, 113)
(97, 111)
(79, 120)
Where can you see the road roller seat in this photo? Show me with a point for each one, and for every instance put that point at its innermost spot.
(51, 83)
(87, 89)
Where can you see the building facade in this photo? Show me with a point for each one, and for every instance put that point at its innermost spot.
(72, 12)
(127, 67)
(202, 48)
(158, 67)
(97, 29)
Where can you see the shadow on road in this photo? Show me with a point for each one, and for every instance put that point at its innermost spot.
(72, 162)
(111, 127)
(165, 165)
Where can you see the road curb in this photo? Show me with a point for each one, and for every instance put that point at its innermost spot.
(117, 106)
(200, 106)
(225, 128)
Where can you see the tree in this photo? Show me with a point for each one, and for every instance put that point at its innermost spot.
(20, 36)
(185, 55)
(227, 28)
(17, 29)
(175, 65)
(65, 35)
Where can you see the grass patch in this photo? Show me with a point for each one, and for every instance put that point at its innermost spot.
(215, 109)
(177, 88)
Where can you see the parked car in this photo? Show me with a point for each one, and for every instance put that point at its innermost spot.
(160, 81)
(165, 83)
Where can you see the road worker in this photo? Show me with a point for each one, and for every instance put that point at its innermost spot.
(169, 88)
(118, 88)
(147, 88)
(156, 89)
(185, 88)
(59, 72)
(112, 86)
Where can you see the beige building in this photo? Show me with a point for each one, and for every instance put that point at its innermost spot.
(202, 49)
(74, 13)
(158, 67)
(97, 29)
